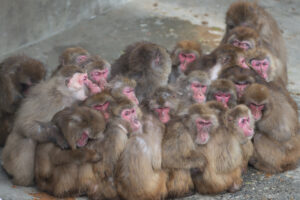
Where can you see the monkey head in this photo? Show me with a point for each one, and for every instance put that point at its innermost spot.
(196, 83)
(242, 14)
(73, 56)
(129, 115)
(241, 77)
(164, 103)
(79, 124)
(244, 38)
(184, 53)
(101, 102)
(260, 61)
(257, 98)
(123, 87)
(224, 91)
(241, 119)
(201, 122)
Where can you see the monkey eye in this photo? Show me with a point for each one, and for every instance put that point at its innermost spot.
(127, 113)
(133, 111)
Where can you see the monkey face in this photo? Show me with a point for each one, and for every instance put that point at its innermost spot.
(244, 124)
(199, 91)
(257, 110)
(203, 129)
(130, 94)
(76, 84)
(185, 59)
(130, 115)
(261, 67)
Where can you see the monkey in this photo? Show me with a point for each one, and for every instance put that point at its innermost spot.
(240, 123)
(242, 37)
(123, 87)
(17, 75)
(71, 56)
(276, 141)
(98, 71)
(42, 102)
(102, 102)
(267, 66)
(218, 59)
(148, 64)
(249, 14)
(224, 91)
(63, 172)
(184, 53)
(193, 87)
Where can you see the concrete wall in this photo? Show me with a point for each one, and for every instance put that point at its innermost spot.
(25, 22)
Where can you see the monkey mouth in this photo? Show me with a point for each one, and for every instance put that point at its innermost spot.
(82, 141)
(202, 137)
(249, 133)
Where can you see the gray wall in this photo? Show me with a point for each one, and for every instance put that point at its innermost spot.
(24, 22)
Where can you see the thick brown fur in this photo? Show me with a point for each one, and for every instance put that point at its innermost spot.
(148, 64)
(17, 75)
(249, 14)
(65, 173)
(40, 105)
(276, 142)
(225, 86)
(184, 46)
(223, 153)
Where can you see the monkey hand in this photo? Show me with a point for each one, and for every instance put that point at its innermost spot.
(92, 156)
(98, 169)
(61, 142)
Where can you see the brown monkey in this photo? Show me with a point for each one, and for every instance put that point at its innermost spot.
(17, 75)
(249, 14)
(123, 87)
(71, 56)
(240, 123)
(102, 102)
(267, 66)
(214, 62)
(184, 53)
(148, 64)
(98, 71)
(243, 37)
(276, 141)
(138, 172)
(221, 149)
(42, 102)
(224, 91)
(193, 87)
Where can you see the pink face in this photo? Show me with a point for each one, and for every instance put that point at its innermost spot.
(100, 76)
(245, 45)
(261, 67)
(103, 108)
(130, 115)
(223, 98)
(244, 124)
(129, 92)
(185, 59)
(199, 91)
(82, 141)
(203, 127)
(81, 59)
(242, 63)
(163, 114)
(92, 86)
(240, 88)
(76, 85)
(256, 111)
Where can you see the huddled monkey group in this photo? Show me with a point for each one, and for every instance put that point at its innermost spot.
(153, 125)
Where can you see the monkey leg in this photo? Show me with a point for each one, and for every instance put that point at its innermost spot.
(179, 183)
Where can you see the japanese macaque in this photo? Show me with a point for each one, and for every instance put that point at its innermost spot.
(71, 56)
(220, 148)
(123, 87)
(243, 37)
(224, 91)
(148, 64)
(184, 53)
(218, 59)
(249, 14)
(98, 71)
(102, 102)
(267, 66)
(276, 141)
(64, 173)
(40, 105)
(240, 123)
(17, 75)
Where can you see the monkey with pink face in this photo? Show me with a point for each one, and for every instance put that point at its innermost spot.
(42, 102)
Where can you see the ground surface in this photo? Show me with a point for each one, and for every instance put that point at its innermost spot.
(165, 22)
